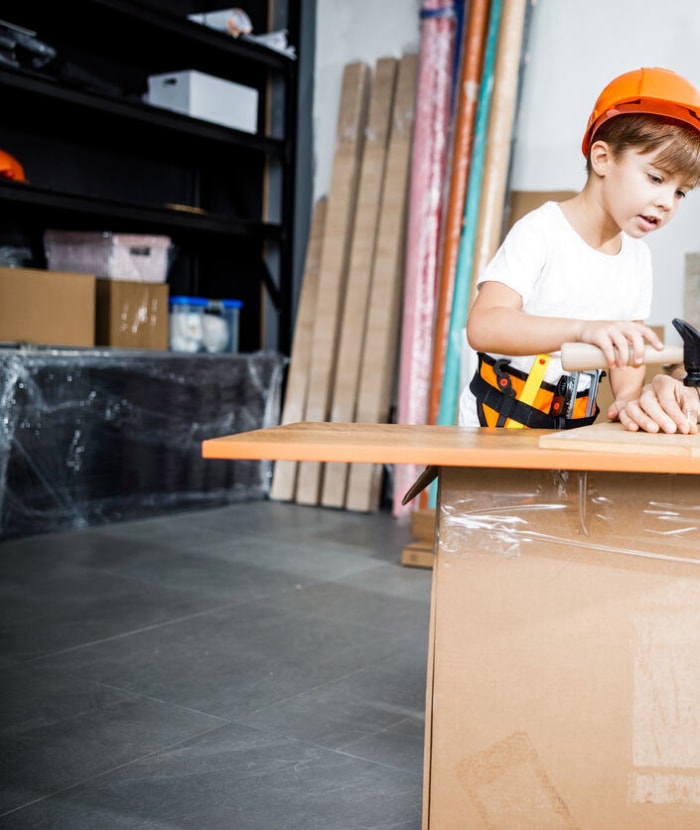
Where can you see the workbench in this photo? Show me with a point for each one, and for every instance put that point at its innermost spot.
(563, 680)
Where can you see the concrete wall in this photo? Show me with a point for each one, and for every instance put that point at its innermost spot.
(575, 48)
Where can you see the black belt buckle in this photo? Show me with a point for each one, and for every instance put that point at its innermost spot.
(503, 378)
(505, 386)
(558, 406)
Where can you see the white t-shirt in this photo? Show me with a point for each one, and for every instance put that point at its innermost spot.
(557, 274)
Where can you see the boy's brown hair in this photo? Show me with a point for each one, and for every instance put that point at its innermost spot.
(678, 145)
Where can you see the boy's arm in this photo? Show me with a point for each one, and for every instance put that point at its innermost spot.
(497, 324)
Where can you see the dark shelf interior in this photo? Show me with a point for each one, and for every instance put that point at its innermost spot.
(98, 157)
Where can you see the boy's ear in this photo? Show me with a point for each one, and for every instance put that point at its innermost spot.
(600, 156)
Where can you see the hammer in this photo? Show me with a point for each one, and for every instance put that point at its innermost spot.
(578, 357)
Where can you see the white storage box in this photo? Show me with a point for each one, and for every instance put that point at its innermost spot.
(206, 97)
(115, 256)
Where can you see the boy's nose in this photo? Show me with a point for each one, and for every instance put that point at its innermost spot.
(666, 198)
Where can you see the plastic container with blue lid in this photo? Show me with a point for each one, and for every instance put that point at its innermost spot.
(198, 324)
(187, 323)
(221, 326)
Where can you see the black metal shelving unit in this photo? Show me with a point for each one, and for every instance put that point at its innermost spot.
(98, 158)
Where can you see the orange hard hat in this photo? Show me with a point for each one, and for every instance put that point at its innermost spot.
(10, 168)
(653, 91)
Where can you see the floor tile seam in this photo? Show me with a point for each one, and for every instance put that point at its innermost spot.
(262, 730)
(342, 748)
(103, 773)
(132, 632)
(382, 764)
(129, 696)
(382, 730)
(328, 684)
(376, 628)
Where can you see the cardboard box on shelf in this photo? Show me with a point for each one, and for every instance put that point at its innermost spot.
(131, 314)
(206, 97)
(49, 308)
(563, 672)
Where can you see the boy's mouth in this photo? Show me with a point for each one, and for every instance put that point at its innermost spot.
(650, 221)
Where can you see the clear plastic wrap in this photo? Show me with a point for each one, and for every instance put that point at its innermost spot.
(90, 436)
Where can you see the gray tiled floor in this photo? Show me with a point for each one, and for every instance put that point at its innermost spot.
(254, 667)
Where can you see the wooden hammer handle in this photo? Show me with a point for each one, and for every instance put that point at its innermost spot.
(582, 357)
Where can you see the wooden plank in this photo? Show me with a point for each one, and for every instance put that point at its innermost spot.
(417, 555)
(381, 343)
(423, 524)
(359, 279)
(608, 437)
(433, 107)
(285, 473)
(335, 251)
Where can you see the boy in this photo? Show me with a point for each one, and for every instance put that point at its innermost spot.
(580, 270)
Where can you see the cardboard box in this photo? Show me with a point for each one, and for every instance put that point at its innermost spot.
(117, 256)
(132, 314)
(206, 97)
(521, 202)
(564, 670)
(47, 307)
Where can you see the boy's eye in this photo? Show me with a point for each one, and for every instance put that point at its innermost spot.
(681, 194)
(655, 179)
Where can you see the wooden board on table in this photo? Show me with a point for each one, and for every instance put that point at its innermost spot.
(285, 473)
(359, 278)
(381, 341)
(613, 437)
(335, 252)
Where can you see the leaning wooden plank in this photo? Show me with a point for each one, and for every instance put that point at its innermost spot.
(334, 260)
(285, 473)
(381, 344)
(357, 288)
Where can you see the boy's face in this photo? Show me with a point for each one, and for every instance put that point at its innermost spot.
(640, 196)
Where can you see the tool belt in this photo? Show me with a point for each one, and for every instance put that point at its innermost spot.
(497, 387)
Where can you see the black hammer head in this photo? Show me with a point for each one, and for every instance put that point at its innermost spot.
(691, 351)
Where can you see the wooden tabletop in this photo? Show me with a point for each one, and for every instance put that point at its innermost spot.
(463, 447)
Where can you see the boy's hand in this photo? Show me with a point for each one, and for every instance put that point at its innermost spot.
(622, 342)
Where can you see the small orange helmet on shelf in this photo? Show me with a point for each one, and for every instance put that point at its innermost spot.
(650, 90)
(11, 169)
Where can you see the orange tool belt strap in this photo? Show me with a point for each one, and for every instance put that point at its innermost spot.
(497, 387)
